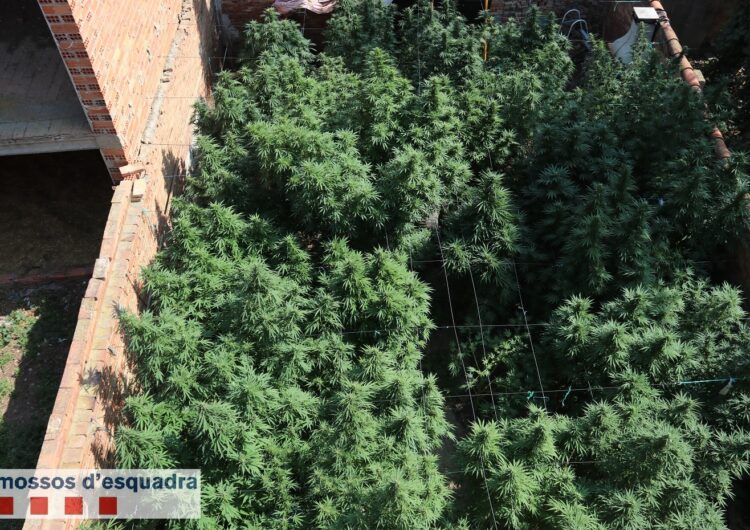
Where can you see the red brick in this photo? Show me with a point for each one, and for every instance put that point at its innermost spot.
(86, 403)
(124, 51)
(56, 9)
(79, 428)
(87, 309)
(83, 331)
(95, 289)
(71, 378)
(76, 441)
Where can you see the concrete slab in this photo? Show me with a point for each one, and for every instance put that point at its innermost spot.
(39, 109)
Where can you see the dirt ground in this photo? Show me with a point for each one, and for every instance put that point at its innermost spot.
(36, 327)
(53, 208)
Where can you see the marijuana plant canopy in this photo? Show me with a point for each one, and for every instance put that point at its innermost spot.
(418, 281)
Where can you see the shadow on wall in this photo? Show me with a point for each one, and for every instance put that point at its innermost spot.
(698, 22)
(114, 383)
(208, 37)
(175, 170)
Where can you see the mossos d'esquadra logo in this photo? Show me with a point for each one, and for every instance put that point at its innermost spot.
(100, 494)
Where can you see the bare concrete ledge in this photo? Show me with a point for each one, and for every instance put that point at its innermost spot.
(48, 144)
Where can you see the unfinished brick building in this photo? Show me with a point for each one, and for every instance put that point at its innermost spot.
(118, 80)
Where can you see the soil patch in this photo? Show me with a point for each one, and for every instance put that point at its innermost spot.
(36, 327)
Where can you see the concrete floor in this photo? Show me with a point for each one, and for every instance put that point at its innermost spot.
(39, 109)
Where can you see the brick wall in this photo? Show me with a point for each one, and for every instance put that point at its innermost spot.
(115, 52)
(237, 13)
(149, 87)
(699, 22)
